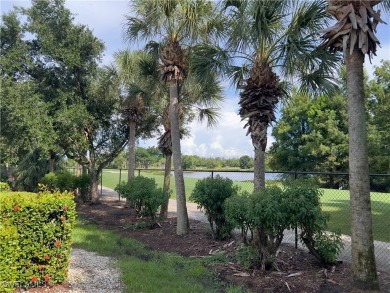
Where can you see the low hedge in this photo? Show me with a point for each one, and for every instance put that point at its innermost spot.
(35, 238)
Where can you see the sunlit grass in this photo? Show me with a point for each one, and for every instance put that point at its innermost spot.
(336, 203)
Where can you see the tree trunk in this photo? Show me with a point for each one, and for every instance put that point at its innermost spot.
(364, 273)
(84, 170)
(132, 127)
(182, 216)
(52, 161)
(94, 195)
(131, 170)
(167, 183)
(259, 170)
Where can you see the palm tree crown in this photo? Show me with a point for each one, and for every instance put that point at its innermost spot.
(274, 39)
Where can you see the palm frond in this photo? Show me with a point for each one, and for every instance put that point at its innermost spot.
(301, 36)
(136, 29)
(237, 74)
(210, 115)
(207, 60)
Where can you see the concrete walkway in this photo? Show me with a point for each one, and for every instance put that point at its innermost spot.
(382, 249)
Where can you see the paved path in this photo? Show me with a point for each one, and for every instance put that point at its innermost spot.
(382, 249)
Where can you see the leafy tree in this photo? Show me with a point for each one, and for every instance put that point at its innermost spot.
(354, 35)
(99, 131)
(379, 120)
(311, 135)
(48, 72)
(187, 162)
(246, 162)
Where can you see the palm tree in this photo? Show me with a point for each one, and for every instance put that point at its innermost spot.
(133, 104)
(165, 146)
(200, 102)
(178, 24)
(275, 39)
(354, 35)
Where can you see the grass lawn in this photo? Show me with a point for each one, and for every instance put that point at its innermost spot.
(335, 202)
(143, 270)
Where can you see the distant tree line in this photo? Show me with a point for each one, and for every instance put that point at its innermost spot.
(152, 157)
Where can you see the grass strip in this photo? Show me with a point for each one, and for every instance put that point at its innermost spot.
(144, 270)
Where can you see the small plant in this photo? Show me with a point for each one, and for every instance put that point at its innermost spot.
(305, 209)
(236, 210)
(4, 186)
(83, 184)
(50, 181)
(144, 195)
(210, 195)
(248, 256)
(267, 211)
(328, 246)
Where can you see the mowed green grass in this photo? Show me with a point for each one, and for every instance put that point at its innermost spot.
(144, 270)
(334, 201)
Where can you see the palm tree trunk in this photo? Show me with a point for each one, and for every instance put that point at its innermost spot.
(182, 227)
(131, 169)
(259, 170)
(363, 258)
(132, 127)
(167, 183)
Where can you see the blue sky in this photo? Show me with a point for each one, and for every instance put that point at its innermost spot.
(105, 19)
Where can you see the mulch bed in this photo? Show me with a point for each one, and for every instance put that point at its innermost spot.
(298, 270)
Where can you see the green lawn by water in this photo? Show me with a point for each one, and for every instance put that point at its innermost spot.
(334, 201)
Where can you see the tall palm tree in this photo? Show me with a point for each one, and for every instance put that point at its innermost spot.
(177, 24)
(133, 104)
(354, 35)
(275, 40)
(198, 99)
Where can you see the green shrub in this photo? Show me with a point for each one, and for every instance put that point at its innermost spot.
(328, 246)
(50, 181)
(37, 229)
(144, 194)
(65, 181)
(83, 184)
(210, 195)
(306, 214)
(4, 186)
(236, 209)
(267, 211)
